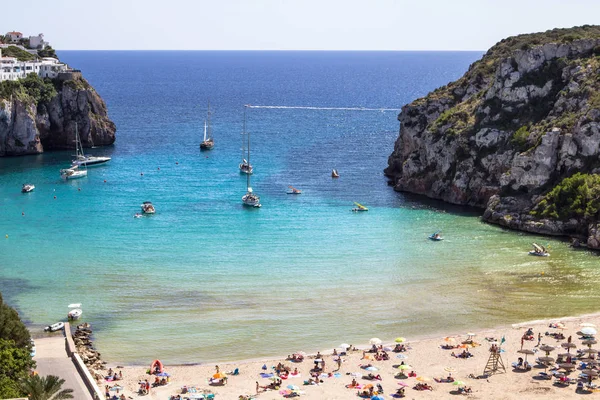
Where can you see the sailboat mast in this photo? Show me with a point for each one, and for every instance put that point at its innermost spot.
(208, 119)
(247, 134)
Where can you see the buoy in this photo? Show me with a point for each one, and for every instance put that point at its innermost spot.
(142, 174)
(176, 163)
(7, 236)
(105, 181)
(79, 189)
(22, 213)
(54, 196)
(159, 168)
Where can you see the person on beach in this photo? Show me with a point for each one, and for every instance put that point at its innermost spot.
(539, 338)
(339, 363)
(217, 368)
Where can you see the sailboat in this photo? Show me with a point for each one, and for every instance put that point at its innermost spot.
(81, 158)
(250, 199)
(359, 207)
(207, 141)
(245, 166)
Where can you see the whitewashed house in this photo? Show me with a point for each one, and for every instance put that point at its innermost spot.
(14, 36)
(37, 42)
(12, 69)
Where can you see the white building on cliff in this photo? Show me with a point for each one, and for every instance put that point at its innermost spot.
(12, 69)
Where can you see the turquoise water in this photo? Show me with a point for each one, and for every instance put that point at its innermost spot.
(205, 279)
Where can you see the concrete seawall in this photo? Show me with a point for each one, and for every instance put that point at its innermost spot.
(84, 373)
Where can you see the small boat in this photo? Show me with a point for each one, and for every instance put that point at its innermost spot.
(54, 327)
(539, 251)
(27, 187)
(81, 158)
(207, 141)
(359, 207)
(436, 236)
(75, 312)
(245, 167)
(250, 199)
(148, 208)
(73, 173)
(334, 173)
(293, 190)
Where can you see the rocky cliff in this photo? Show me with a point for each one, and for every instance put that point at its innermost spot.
(31, 123)
(510, 135)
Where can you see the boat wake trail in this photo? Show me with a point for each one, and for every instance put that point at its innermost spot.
(324, 108)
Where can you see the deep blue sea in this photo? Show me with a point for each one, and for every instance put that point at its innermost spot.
(205, 279)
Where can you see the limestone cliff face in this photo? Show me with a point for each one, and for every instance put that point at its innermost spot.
(523, 118)
(30, 128)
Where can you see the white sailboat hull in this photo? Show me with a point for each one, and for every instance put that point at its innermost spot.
(251, 200)
(69, 173)
(90, 161)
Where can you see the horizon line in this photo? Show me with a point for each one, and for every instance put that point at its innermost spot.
(283, 50)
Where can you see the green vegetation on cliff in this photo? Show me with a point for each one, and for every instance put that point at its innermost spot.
(14, 51)
(15, 358)
(30, 88)
(575, 197)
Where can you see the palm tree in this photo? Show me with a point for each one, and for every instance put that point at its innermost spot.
(45, 388)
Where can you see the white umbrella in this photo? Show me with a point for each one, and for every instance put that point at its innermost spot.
(588, 330)
(375, 341)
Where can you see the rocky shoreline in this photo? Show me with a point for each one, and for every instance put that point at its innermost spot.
(507, 135)
(82, 337)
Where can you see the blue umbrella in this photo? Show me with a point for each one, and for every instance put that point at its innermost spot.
(377, 398)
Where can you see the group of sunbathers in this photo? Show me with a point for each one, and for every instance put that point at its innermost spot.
(465, 354)
(399, 348)
(295, 357)
(113, 375)
(422, 386)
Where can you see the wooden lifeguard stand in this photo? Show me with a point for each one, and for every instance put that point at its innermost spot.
(494, 364)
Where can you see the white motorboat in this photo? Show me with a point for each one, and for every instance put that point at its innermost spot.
(207, 142)
(73, 173)
(27, 187)
(81, 158)
(250, 199)
(54, 327)
(148, 208)
(75, 312)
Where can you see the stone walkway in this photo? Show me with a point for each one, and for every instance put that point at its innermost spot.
(51, 358)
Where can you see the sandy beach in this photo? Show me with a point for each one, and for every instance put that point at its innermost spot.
(426, 358)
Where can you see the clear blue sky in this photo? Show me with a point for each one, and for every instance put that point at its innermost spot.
(290, 24)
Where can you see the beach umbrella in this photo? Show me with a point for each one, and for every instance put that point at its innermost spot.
(590, 372)
(375, 341)
(368, 386)
(589, 331)
(293, 387)
(344, 346)
(459, 383)
(547, 348)
(377, 397)
(527, 352)
(450, 369)
(423, 379)
(403, 367)
(590, 351)
(588, 324)
(567, 366)
(568, 345)
(218, 375)
(400, 340)
(546, 359)
(589, 342)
